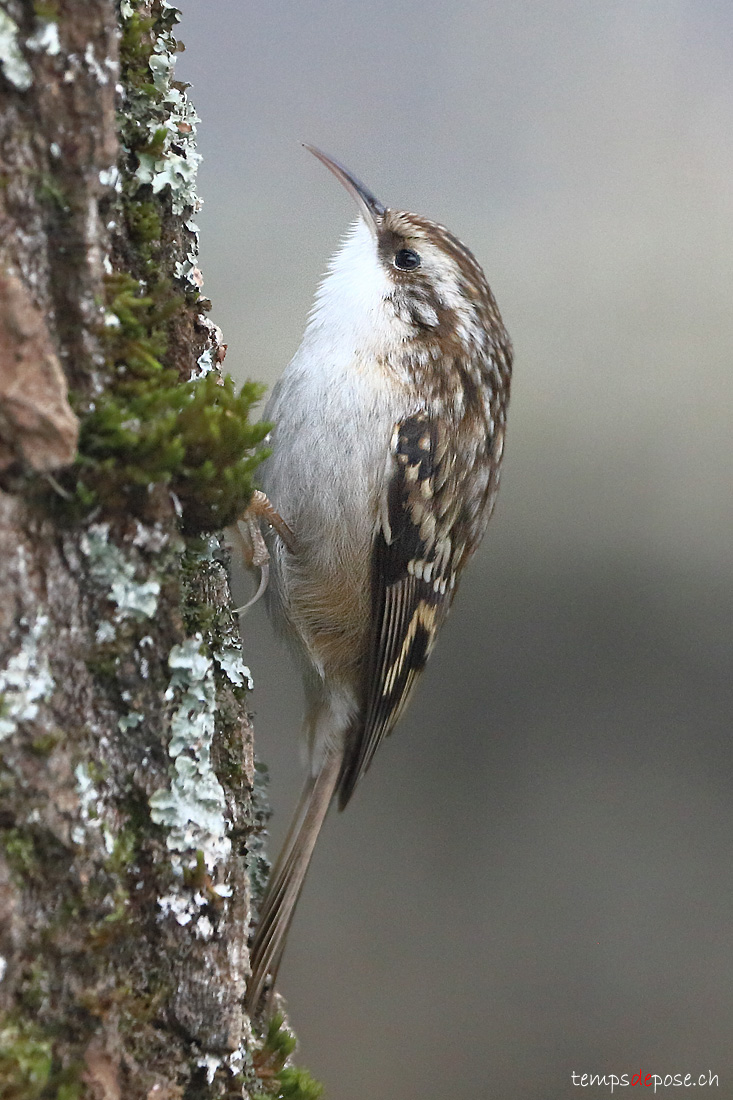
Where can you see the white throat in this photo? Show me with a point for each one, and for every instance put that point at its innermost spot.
(352, 313)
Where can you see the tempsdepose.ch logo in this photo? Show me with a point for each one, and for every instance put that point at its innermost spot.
(652, 1081)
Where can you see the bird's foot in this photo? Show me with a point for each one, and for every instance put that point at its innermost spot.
(261, 508)
(254, 551)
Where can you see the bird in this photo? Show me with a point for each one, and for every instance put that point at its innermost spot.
(386, 451)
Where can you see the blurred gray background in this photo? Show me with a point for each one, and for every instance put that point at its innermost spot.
(535, 877)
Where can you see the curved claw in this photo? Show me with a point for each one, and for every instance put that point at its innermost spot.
(261, 589)
(252, 545)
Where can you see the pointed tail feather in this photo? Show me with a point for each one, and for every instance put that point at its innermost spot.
(287, 878)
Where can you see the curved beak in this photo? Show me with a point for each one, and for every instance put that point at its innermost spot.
(370, 208)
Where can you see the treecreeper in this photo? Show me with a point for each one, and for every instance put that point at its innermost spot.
(387, 444)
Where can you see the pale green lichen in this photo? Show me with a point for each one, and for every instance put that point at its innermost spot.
(174, 162)
(90, 806)
(229, 660)
(205, 363)
(169, 160)
(134, 599)
(45, 38)
(193, 806)
(211, 1063)
(102, 72)
(89, 802)
(111, 177)
(129, 721)
(15, 67)
(182, 907)
(91, 810)
(105, 633)
(25, 681)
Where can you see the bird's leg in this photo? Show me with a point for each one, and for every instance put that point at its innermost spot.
(247, 533)
(252, 545)
(261, 508)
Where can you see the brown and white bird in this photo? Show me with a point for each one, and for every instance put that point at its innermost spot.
(387, 443)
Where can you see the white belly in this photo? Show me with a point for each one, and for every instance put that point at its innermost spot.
(333, 424)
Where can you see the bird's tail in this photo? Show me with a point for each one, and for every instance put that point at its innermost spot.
(287, 878)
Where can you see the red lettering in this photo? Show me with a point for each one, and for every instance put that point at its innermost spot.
(648, 1080)
(638, 1076)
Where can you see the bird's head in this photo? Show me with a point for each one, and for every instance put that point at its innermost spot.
(400, 281)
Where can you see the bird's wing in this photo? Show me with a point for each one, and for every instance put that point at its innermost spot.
(415, 557)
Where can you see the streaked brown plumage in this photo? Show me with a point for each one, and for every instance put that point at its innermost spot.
(387, 447)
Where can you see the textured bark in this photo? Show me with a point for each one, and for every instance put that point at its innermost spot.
(124, 824)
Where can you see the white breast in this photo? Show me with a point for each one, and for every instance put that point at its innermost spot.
(333, 424)
(334, 410)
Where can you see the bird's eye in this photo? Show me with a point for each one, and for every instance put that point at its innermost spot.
(406, 259)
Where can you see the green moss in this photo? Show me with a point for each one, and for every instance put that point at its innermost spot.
(150, 428)
(145, 229)
(50, 191)
(45, 743)
(196, 877)
(298, 1084)
(230, 764)
(97, 770)
(102, 664)
(279, 1041)
(28, 1070)
(276, 1079)
(26, 1060)
(102, 904)
(199, 618)
(214, 480)
(46, 9)
(135, 50)
(123, 853)
(33, 988)
(7, 778)
(144, 222)
(155, 146)
(20, 852)
(67, 1083)
(134, 805)
(72, 1090)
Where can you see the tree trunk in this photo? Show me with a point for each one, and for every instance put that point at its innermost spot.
(129, 824)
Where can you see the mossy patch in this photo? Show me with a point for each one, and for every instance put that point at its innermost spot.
(277, 1079)
(298, 1084)
(135, 49)
(258, 863)
(145, 228)
(149, 428)
(20, 852)
(26, 1060)
(50, 192)
(45, 743)
(48, 10)
(28, 1069)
